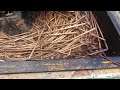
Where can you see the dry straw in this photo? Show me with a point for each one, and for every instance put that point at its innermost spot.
(55, 35)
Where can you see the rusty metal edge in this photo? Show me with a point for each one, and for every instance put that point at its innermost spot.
(56, 65)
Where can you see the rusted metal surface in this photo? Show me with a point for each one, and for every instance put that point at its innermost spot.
(56, 65)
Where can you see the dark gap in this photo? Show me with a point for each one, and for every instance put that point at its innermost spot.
(110, 33)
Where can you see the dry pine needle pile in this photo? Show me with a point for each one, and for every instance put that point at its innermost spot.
(54, 35)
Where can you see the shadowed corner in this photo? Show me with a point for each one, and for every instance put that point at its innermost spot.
(16, 22)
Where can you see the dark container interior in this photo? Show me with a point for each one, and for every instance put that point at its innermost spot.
(110, 33)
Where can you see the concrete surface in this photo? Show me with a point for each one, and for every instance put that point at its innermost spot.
(86, 74)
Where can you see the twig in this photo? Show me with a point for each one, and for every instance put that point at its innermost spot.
(36, 44)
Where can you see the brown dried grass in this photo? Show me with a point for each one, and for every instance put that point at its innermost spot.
(55, 35)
